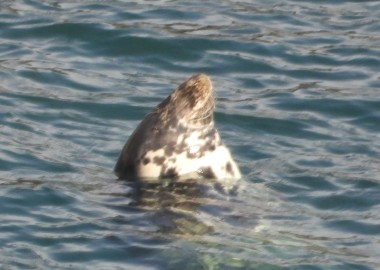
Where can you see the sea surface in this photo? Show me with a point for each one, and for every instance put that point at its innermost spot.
(298, 103)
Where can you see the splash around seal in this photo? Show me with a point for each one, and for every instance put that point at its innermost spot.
(178, 140)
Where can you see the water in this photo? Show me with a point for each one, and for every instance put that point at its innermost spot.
(298, 103)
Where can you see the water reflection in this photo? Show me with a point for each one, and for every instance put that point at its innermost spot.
(178, 207)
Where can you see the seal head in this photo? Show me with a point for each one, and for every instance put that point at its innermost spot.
(178, 140)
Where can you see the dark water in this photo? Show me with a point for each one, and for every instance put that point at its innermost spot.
(298, 86)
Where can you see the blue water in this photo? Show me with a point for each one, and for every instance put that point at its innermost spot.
(298, 88)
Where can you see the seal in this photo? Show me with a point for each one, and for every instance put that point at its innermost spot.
(178, 139)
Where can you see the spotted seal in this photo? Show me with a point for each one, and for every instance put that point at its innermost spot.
(178, 140)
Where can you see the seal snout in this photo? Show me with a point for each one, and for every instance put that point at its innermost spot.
(196, 92)
(199, 86)
(202, 82)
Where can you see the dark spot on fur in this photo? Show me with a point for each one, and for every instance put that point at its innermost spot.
(207, 146)
(207, 173)
(180, 148)
(211, 147)
(169, 150)
(173, 123)
(159, 160)
(211, 134)
(229, 168)
(146, 161)
(191, 155)
(181, 129)
(170, 173)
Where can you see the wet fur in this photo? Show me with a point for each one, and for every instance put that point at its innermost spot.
(178, 139)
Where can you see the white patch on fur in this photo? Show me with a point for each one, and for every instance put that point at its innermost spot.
(191, 162)
(151, 169)
(216, 160)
